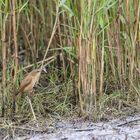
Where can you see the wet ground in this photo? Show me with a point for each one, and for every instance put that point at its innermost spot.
(117, 129)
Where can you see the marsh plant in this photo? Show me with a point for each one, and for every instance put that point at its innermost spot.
(96, 48)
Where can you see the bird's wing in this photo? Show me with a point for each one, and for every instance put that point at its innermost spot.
(25, 82)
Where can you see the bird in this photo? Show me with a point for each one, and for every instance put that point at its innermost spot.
(27, 84)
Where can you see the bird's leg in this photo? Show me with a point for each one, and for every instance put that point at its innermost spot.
(30, 103)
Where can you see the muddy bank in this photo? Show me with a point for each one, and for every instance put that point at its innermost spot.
(117, 129)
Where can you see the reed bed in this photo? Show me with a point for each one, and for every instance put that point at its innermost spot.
(96, 44)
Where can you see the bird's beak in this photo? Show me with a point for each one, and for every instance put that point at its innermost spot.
(44, 69)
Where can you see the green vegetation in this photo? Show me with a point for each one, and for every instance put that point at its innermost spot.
(95, 48)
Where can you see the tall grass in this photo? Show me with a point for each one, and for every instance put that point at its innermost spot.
(96, 43)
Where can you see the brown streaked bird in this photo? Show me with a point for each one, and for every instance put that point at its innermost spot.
(27, 84)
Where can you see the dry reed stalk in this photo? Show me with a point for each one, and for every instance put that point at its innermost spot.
(52, 35)
(15, 39)
(4, 59)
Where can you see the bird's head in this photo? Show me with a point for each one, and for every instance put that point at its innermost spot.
(36, 71)
(44, 69)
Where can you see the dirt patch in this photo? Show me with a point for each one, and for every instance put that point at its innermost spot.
(117, 129)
